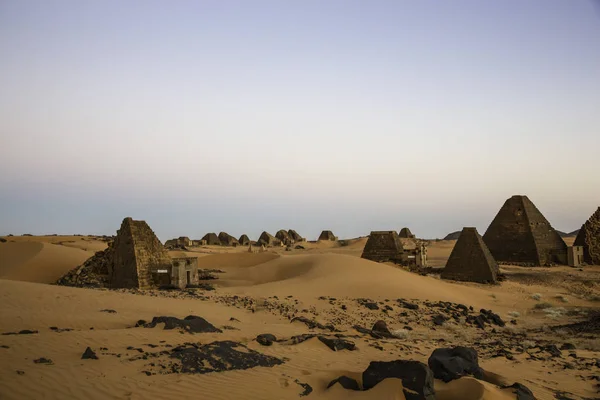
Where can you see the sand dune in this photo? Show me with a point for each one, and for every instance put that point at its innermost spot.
(38, 261)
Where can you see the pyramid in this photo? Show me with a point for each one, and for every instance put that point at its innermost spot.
(295, 236)
(212, 239)
(471, 260)
(136, 251)
(284, 237)
(327, 235)
(383, 246)
(227, 240)
(267, 239)
(589, 238)
(406, 233)
(244, 240)
(520, 234)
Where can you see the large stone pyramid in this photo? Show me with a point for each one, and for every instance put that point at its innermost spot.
(383, 246)
(589, 238)
(406, 233)
(136, 252)
(521, 234)
(227, 240)
(471, 260)
(211, 239)
(295, 236)
(284, 237)
(327, 235)
(244, 240)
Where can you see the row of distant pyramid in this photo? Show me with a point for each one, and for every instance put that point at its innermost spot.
(281, 238)
(519, 234)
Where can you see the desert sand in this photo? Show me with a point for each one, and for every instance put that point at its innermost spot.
(259, 293)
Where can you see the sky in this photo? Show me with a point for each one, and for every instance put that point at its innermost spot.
(243, 116)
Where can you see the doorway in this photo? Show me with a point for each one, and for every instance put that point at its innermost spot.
(189, 277)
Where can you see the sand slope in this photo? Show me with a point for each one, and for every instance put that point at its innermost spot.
(38, 261)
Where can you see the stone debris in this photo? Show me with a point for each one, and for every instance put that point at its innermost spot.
(417, 378)
(89, 354)
(191, 324)
(448, 364)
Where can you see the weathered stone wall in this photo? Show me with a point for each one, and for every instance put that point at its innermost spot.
(471, 260)
(181, 266)
(137, 250)
(589, 238)
(383, 246)
(521, 234)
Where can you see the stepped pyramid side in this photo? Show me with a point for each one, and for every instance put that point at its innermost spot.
(136, 251)
(471, 260)
(383, 246)
(520, 233)
(589, 238)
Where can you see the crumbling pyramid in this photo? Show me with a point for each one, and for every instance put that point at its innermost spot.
(227, 240)
(406, 233)
(244, 240)
(212, 239)
(520, 234)
(136, 252)
(383, 246)
(589, 238)
(266, 239)
(295, 236)
(327, 235)
(471, 260)
(284, 237)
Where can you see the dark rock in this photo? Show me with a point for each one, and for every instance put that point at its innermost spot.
(338, 344)
(417, 378)
(266, 339)
(522, 392)
(347, 383)
(371, 306)
(20, 372)
(43, 361)
(553, 350)
(407, 305)
(439, 319)
(299, 247)
(2, 240)
(89, 354)
(191, 323)
(313, 324)
(307, 388)
(568, 346)
(448, 364)
(381, 327)
(493, 318)
(27, 332)
(4, 346)
(220, 356)
(107, 310)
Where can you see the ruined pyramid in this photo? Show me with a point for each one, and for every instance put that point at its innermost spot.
(212, 239)
(383, 246)
(589, 238)
(136, 253)
(406, 233)
(471, 260)
(520, 234)
(227, 240)
(327, 235)
(244, 240)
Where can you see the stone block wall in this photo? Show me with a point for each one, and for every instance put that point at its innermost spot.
(384, 246)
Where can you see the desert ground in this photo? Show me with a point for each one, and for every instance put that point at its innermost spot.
(549, 341)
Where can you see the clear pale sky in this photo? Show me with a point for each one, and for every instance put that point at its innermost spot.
(244, 116)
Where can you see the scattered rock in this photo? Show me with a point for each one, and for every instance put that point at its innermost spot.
(417, 378)
(407, 305)
(107, 310)
(89, 354)
(266, 339)
(439, 319)
(553, 350)
(522, 392)
(43, 361)
(381, 327)
(307, 388)
(568, 346)
(219, 356)
(448, 364)
(314, 324)
(191, 324)
(338, 344)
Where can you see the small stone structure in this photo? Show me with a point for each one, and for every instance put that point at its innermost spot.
(284, 237)
(471, 260)
(520, 234)
(589, 238)
(211, 239)
(227, 240)
(575, 256)
(137, 254)
(295, 236)
(327, 235)
(266, 239)
(406, 233)
(182, 241)
(184, 272)
(383, 246)
(244, 240)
